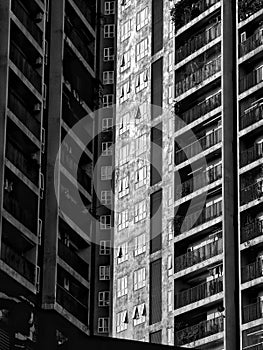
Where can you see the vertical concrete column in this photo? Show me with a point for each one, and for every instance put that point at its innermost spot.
(53, 143)
(5, 6)
(230, 175)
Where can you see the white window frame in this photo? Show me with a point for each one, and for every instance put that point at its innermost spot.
(109, 31)
(141, 49)
(121, 321)
(125, 4)
(105, 222)
(141, 81)
(141, 112)
(124, 123)
(125, 30)
(125, 91)
(108, 77)
(139, 314)
(170, 62)
(125, 61)
(108, 100)
(106, 149)
(140, 244)
(106, 197)
(122, 286)
(139, 278)
(108, 54)
(170, 229)
(106, 172)
(105, 247)
(170, 300)
(170, 265)
(103, 324)
(123, 220)
(141, 144)
(140, 212)
(123, 249)
(124, 154)
(123, 188)
(142, 18)
(170, 336)
(106, 123)
(170, 94)
(170, 195)
(104, 298)
(140, 176)
(104, 272)
(109, 8)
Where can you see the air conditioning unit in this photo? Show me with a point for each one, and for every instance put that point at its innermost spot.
(38, 17)
(243, 37)
(66, 283)
(37, 107)
(38, 62)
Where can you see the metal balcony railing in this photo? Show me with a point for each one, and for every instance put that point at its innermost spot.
(251, 230)
(23, 163)
(252, 116)
(251, 43)
(247, 8)
(199, 110)
(253, 311)
(193, 220)
(199, 76)
(198, 255)
(22, 113)
(73, 260)
(251, 79)
(199, 292)
(255, 347)
(74, 36)
(19, 263)
(196, 42)
(201, 330)
(250, 155)
(18, 58)
(71, 304)
(24, 17)
(85, 8)
(252, 271)
(23, 215)
(252, 192)
(214, 137)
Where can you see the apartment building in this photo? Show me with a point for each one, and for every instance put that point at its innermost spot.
(187, 265)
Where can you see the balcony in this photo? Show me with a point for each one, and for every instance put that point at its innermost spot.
(86, 9)
(195, 43)
(251, 230)
(198, 111)
(211, 139)
(201, 330)
(183, 14)
(252, 192)
(17, 262)
(198, 255)
(252, 312)
(22, 113)
(252, 271)
(250, 44)
(25, 18)
(247, 8)
(250, 155)
(251, 79)
(253, 115)
(198, 77)
(193, 220)
(71, 304)
(73, 260)
(23, 163)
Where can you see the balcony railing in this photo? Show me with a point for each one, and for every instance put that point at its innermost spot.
(251, 43)
(73, 260)
(252, 192)
(199, 110)
(18, 211)
(250, 155)
(199, 76)
(205, 142)
(78, 43)
(18, 58)
(251, 230)
(201, 330)
(22, 113)
(251, 79)
(252, 271)
(252, 312)
(195, 43)
(247, 8)
(193, 220)
(198, 255)
(85, 8)
(23, 163)
(199, 292)
(72, 305)
(25, 18)
(252, 116)
(19, 263)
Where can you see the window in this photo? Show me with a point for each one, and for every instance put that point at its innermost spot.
(170, 160)
(125, 4)
(170, 336)
(106, 172)
(122, 321)
(124, 154)
(142, 18)
(170, 94)
(125, 30)
(139, 278)
(170, 29)
(170, 228)
(140, 244)
(139, 314)
(105, 222)
(213, 172)
(170, 300)
(108, 54)
(104, 273)
(140, 176)
(122, 286)
(105, 247)
(109, 8)
(103, 324)
(124, 123)
(106, 148)
(125, 61)
(108, 100)
(170, 195)
(125, 91)
(213, 208)
(170, 62)
(107, 124)
(106, 197)
(123, 220)
(170, 265)
(104, 298)
(108, 77)
(122, 253)
(141, 49)
(141, 81)
(140, 211)
(109, 31)
(123, 186)
(141, 112)
(140, 144)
